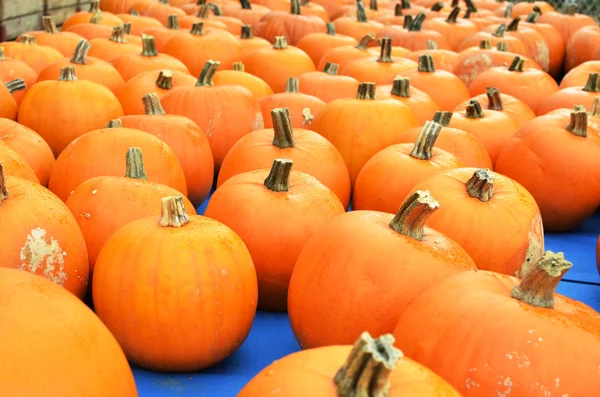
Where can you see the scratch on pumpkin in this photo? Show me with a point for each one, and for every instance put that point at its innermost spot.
(43, 253)
(213, 124)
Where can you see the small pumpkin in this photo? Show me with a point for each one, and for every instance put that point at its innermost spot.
(104, 17)
(513, 43)
(163, 34)
(343, 55)
(232, 24)
(317, 44)
(412, 37)
(453, 29)
(443, 59)
(328, 85)
(91, 30)
(249, 42)
(162, 10)
(248, 13)
(9, 108)
(15, 165)
(358, 26)
(138, 22)
(422, 105)
(238, 76)
(27, 50)
(571, 96)
(64, 42)
(12, 69)
(109, 49)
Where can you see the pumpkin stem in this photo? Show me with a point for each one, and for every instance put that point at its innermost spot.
(537, 9)
(385, 55)
(502, 46)
(453, 15)
(330, 29)
(48, 25)
(431, 45)
(80, 55)
(533, 17)
(517, 64)
(27, 39)
(148, 46)
(331, 68)
(363, 43)
(116, 123)
(280, 43)
(278, 179)
(361, 15)
(96, 17)
(405, 4)
(424, 145)
(412, 216)
(426, 63)
(398, 10)
(467, 14)
(207, 73)
(407, 23)
(593, 83)
(499, 32)
(247, 33)
(513, 25)
(471, 6)
(165, 80)
(578, 124)
(3, 189)
(127, 28)
(481, 185)
(292, 85)
(172, 212)
(15, 85)
(216, 10)
(508, 11)
(246, 5)
(485, 45)
(238, 66)
(67, 74)
(94, 6)
(373, 5)
(474, 110)
(2, 56)
(295, 7)
(571, 9)
(173, 22)
(417, 22)
(539, 284)
(443, 118)
(134, 13)
(283, 136)
(367, 369)
(152, 105)
(401, 87)
(494, 99)
(197, 29)
(455, 3)
(366, 91)
(437, 6)
(118, 35)
(134, 164)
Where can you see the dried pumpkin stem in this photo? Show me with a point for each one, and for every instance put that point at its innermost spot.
(366, 91)
(67, 74)
(94, 6)
(331, 29)
(280, 43)
(401, 87)
(278, 179)
(499, 32)
(118, 35)
(471, 6)
(27, 39)
(373, 5)
(247, 33)
(283, 135)
(513, 26)
(467, 14)
(424, 145)
(2, 56)
(405, 4)
(331, 68)
(494, 99)
(363, 43)
(361, 15)
(578, 124)
(502, 46)
(165, 80)
(3, 189)
(437, 6)
(508, 11)
(48, 25)
(431, 45)
(95, 19)
(148, 46)
(15, 85)
(385, 55)
(408, 21)
(116, 123)
(152, 105)
(571, 9)
(426, 64)
(127, 28)
(246, 5)
(292, 85)
(474, 110)
(453, 15)
(207, 73)
(172, 213)
(533, 17)
(412, 216)
(173, 22)
(80, 55)
(216, 10)
(537, 9)
(538, 286)
(417, 22)
(593, 83)
(398, 10)
(481, 185)
(197, 29)
(485, 45)
(238, 66)
(517, 64)
(295, 7)
(134, 164)
(367, 369)
(443, 118)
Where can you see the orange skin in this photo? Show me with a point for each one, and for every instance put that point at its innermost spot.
(257, 86)
(62, 121)
(293, 27)
(64, 42)
(446, 90)
(14, 165)
(526, 8)
(413, 41)
(375, 190)
(101, 152)
(39, 229)
(515, 45)
(509, 226)
(139, 23)
(84, 17)
(311, 154)
(422, 105)
(516, 109)
(566, 24)
(34, 55)
(131, 65)
(232, 25)
(349, 26)
(536, 45)
(343, 56)
(30, 146)
(55, 345)
(96, 197)
(190, 145)
(443, 59)
(567, 98)
(247, 17)
(556, 45)
(95, 70)
(161, 12)
(327, 87)
(189, 21)
(576, 77)
(251, 45)
(145, 83)
(397, 52)
(464, 146)
(9, 107)
(109, 50)
(349, 123)
(369, 69)
(454, 33)
(358, 251)
(275, 66)
(253, 211)
(463, 312)
(318, 44)
(11, 69)
(90, 31)
(579, 45)
(209, 302)
(530, 159)
(296, 102)
(310, 373)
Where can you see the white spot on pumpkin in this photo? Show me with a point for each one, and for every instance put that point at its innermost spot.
(307, 117)
(87, 215)
(259, 122)
(94, 191)
(45, 254)
(557, 381)
(470, 383)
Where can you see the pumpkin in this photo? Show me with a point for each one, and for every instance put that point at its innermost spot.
(395, 18)
(571, 96)
(10, 108)
(342, 56)
(294, 196)
(249, 14)
(196, 47)
(302, 107)
(92, 202)
(41, 235)
(530, 159)
(443, 59)
(249, 42)
(422, 105)
(377, 189)
(64, 42)
(500, 212)
(372, 12)
(318, 44)
(293, 25)
(14, 164)
(278, 63)
(328, 85)
(12, 69)
(359, 26)
(568, 22)
(93, 15)
(28, 51)
(155, 81)
(554, 40)
(453, 29)
(577, 76)
(210, 258)
(371, 367)
(513, 44)
(48, 336)
(528, 323)
(189, 22)
(528, 6)
(412, 37)
(113, 47)
(579, 45)
(162, 10)
(163, 34)
(119, 6)
(188, 141)
(238, 76)
(90, 31)
(86, 68)
(233, 25)
(30, 147)
(368, 252)
(71, 106)
(139, 23)
(209, 106)
(311, 153)
(100, 153)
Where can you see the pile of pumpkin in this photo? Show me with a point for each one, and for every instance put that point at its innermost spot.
(117, 126)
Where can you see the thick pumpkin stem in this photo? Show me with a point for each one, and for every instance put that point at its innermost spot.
(401, 87)
(152, 105)
(474, 110)
(424, 145)
(116, 123)
(94, 6)
(238, 66)
(517, 64)
(578, 124)
(366, 91)
(363, 43)
(207, 73)
(499, 32)
(485, 45)
(216, 10)
(165, 80)
(502, 46)
(593, 83)
(426, 64)
(3, 189)
(571, 9)
(2, 56)
(481, 185)
(538, 286)
(172, 212)
(361, 15)
(398, 10)
(295, 7)
(513, 26)
(417, 22)
(407, 23)
(443, 118)
(148, 46)
(437, 6)
(331, 68)
(405, 4)
(67, 74)
(278, 179)
(48, 25)
(95, 19)
(173, 22)
(118, 35)
(80, 55)
(280, 43)
(467, 14)
(373, 5)
(331, 29)
(367, 369)
(134, 164)
(494, 99)
(533, 17)
(197, 29)
(471, 6)
(15, 85)
(453, 15)
(412, 216)
(283, 136)
(246, 5)
(508, 11)
(292, 85)
(431, 45)
(537, 9)
(27, 39)
(385, 55)
(127, 28)
(247, 33)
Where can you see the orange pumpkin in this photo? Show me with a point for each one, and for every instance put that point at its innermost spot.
(317, 44)
(105, 17)
(28, 51)
(513, 43)
(210, 258)
(453, 29)
(422, 105)
(162, 10)
(342, 56)
(90, 31)
(369, 252)
(577, 76)
(443, 59)
(8, 105)
(568, 22)
(554, 40)
(328, 85)
(395, 18)
(124, 6)
(41, 235)
(249, 14)
(139, 23)
(412, 37)
(579, 45)
(292, 25)
(12, 69)
(238, 76)
(528, 322)
(113, 47)
(571, 96)
(64, 42)
(358, 26)
(15, 165)
(232, 24)
(163, 34)
(249, 42)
